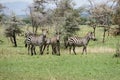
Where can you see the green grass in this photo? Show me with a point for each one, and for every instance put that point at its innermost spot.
(16, 64)
(65, 67)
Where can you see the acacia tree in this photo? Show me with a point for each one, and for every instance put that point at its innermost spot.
(92, 19)
(117, 13)
(101, 14)
(13, 29)
(39, 14)
(67, 18)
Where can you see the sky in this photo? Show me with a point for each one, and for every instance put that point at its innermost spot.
(18, 6)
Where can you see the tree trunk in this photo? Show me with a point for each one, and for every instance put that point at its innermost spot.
(104, 35)
(94, 30)
(33, 29)
(36, 28)
(14, 38)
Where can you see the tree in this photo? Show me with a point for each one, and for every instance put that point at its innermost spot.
(13, 30)
(101, 14)
(1, 12)
(38, 14)
(66, 17)
(117, 13)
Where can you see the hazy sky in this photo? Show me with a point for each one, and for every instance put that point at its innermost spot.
(19, 5)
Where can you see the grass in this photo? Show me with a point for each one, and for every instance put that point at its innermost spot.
(98, 64)
(65, 67)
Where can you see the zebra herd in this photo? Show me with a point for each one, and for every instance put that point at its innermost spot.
(33, 40)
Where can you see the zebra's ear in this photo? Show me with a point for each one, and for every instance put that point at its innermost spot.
(91, 32)
(58, 33)
(42, 30)
(45, 30)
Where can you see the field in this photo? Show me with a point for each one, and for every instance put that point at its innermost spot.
(98, 64)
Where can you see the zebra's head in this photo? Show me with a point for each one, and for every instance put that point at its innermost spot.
(58, 35)
(44, 32)
(91, 36)
(28, 33)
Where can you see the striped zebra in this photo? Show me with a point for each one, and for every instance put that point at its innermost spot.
(79, 42)
(37, 40)
(55, 44)
(26, 42)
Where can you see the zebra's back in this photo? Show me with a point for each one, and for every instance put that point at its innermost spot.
(35, 40)
(76, 41)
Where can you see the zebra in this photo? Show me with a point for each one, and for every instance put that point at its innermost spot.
(37, 40)
(79, 42)
(26, 42)
(55, 44)
(47, 43)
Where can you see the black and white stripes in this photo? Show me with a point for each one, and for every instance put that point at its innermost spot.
(42, 41)
(36, 40)
(79, 42)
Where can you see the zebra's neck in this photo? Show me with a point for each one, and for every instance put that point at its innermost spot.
(87, 38)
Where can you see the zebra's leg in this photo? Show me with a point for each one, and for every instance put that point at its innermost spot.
(74, 50)
(52, 49)
(28, 49)
(32, 50)
(44, 46)
(56, 49)
(86, 50)
(59, 50)
(70, 49)
(41, 52)
(83, 49)
(48, 49)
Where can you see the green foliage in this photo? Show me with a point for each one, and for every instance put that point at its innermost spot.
(71, 23)
(13, 28)
(9, 31)
(83, 21)
(71, 17)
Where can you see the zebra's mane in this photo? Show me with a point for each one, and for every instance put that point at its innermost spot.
(88, 33)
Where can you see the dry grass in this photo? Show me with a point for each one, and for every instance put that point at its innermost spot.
(95, 50)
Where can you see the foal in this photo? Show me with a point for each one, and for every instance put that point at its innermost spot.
(55, 44)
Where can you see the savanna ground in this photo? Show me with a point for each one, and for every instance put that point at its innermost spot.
(98, 64)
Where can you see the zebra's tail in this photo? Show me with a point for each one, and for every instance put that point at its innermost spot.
(25, 43)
